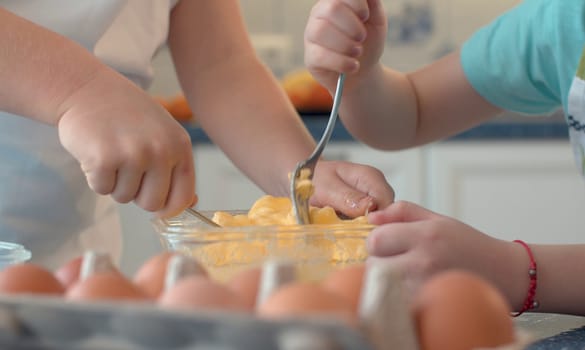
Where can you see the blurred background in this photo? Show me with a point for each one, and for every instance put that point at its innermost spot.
(418, 32)
(513, 178)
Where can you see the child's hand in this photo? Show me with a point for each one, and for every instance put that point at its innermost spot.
(344, 36)
(352, 189)
(128, 146)
(420, 243)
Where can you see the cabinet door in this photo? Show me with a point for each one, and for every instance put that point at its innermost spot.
(220, 184)
(510, 190)
(403, 170)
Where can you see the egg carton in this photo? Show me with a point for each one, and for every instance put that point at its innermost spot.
(44, 322)
(51, 323)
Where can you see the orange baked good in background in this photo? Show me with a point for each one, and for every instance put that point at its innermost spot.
(177, 106)
(305, 93)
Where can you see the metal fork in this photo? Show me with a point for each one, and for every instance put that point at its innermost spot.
(201, 217)
(300, 200)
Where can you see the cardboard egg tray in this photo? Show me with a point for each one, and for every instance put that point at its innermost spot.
(32, 322)
(43, 322)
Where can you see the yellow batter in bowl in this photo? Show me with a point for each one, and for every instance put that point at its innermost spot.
(268, 230)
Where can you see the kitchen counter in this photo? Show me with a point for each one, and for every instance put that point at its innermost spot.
(505, 127)
(553, 332)
(562, 333)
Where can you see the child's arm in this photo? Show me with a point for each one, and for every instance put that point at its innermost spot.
(126, 144)
(234, 95)
(418, 241)
(560, 286)
(385, 108)
(241, 106)
(40, 69)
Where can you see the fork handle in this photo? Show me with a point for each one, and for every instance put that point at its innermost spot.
(332, 119)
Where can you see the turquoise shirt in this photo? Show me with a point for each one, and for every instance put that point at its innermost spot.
(526, 59)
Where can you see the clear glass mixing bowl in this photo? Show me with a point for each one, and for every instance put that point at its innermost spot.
(315, 249)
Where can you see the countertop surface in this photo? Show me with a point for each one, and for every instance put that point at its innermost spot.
(506, 127)
(546, 331)
(553, 332)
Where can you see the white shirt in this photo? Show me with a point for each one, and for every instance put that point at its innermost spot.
(45, 202)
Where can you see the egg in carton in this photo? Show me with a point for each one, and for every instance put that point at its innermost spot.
(51, 319)
(391, 322)
(256, 331)
(384, 318)
(384, 315)
(387, 320)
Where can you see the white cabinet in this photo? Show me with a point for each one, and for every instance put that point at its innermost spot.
(508, 189)
(511, 190)
(220, 185)
(402, 169)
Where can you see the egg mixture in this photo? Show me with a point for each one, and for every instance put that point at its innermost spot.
(330, 241)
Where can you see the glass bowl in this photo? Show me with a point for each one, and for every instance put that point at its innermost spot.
(315, 249)
(12, 253)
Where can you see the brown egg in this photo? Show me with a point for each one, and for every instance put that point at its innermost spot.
(68, 273)
(29, 278)
(459, 310)
(150, 277)
(302, 299)
(110, 285)
(152, 274)
(246, 283)
(201, 292)
(347, 283)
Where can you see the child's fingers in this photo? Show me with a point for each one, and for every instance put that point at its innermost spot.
(320, 58)
(320, 33)
(377, 15)
(181, 192)
(341, 16)
(400, 211)
(359, 7)
(128, 181)
(154, 188)
(389, 240)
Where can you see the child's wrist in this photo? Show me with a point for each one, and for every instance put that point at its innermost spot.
(522, 278)
(367, 76)
(96, 83)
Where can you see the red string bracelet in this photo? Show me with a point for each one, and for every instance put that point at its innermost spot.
(530, 302)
